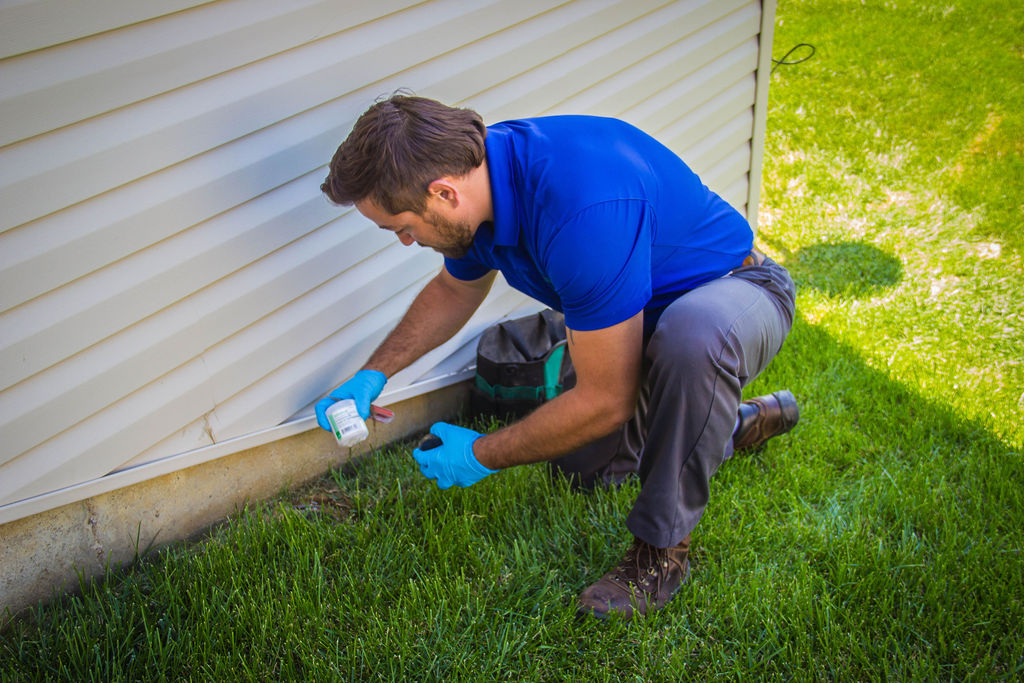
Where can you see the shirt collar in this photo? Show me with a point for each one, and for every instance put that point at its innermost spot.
(500, 155)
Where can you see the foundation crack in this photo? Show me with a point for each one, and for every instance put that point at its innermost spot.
(93, 524)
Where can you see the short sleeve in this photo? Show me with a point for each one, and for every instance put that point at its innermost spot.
(465, 269)
(599, 262)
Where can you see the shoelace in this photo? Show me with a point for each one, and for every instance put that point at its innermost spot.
(632, 571)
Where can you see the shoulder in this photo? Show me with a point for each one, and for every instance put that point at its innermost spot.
(564, 164)
(571, 137)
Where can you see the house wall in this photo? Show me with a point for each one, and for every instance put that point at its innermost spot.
(173, 287)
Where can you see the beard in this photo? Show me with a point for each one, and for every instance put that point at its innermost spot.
(454, 239)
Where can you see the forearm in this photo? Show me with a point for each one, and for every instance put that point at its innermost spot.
(556, 428)
(608, 364)
(436, 314)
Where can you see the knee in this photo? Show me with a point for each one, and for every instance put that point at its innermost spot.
(693, 340)
(694, 348)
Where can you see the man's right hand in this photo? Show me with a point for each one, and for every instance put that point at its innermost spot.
(363, 387)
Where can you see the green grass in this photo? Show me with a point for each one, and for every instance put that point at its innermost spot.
(880, 540)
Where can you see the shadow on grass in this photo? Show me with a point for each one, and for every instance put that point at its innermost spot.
(881, 503)
(850, 269)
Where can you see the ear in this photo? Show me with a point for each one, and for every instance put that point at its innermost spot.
(445, 190)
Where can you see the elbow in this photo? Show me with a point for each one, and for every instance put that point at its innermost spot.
(624, 413)
(626, 405)
(616, 412)
(607, 410)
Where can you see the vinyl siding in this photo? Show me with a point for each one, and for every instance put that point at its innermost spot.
(172, 282)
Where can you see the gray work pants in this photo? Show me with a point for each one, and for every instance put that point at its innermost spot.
(707, 345)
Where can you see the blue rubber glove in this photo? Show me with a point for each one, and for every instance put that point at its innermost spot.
(363, 387)
(453, 462)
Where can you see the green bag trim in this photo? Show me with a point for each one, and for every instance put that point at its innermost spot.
(553, 371)
(551, 388)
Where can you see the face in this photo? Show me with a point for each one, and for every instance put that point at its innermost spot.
(449, 237)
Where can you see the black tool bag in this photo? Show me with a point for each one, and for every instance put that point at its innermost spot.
(522, 363)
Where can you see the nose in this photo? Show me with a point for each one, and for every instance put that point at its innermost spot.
(405, 239)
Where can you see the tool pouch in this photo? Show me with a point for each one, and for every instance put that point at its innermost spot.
(522, 363)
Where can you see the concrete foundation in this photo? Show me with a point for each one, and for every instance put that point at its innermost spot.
(41, 555)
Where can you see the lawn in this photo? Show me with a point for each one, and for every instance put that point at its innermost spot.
(881, 539)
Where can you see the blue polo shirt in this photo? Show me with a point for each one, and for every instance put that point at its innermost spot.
(599, 220)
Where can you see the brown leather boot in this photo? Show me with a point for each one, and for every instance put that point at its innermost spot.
(763, 417)
(645, 580)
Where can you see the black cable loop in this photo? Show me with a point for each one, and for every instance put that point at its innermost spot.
(783, 62)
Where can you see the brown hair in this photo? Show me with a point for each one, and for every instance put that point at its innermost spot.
(398, 147)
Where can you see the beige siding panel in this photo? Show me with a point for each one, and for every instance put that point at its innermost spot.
(513, 53)
(662, 110)
(73, 455)
(216, 115)
(76, 241)
(51, 88)
(728, 109)
(711, 149)
(729, 173)
(736, 192)
(290, 333)
(191, 437)
(576, 70)
(156, 345)
(98, 446)
(714, 101)
(67, 320)
(643, 80)
(171, 280)
(28, 25)
(764, 73)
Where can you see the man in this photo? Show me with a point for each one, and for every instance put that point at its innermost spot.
(669, 309)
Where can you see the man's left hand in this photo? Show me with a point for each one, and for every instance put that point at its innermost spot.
(453, 462)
